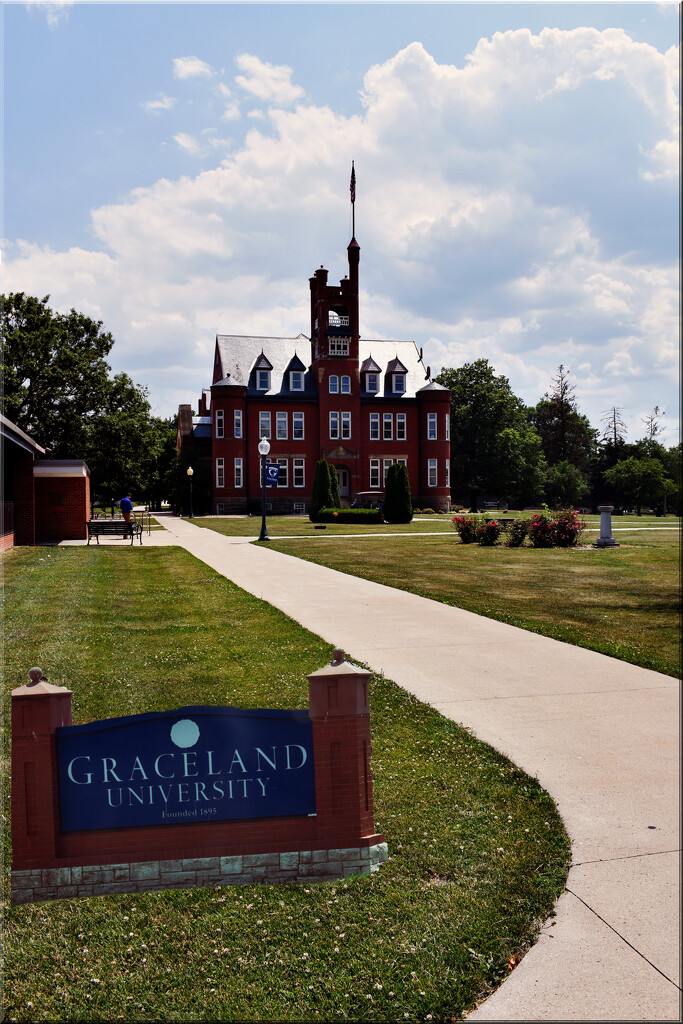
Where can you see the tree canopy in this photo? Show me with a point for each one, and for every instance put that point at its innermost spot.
(59, 388)
(565, 433)
(493, 448)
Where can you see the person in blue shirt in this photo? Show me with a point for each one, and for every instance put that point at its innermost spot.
(126, 510)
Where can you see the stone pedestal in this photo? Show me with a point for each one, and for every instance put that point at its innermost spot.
(605, 540)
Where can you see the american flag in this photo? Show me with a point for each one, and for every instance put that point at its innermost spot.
(353, 183)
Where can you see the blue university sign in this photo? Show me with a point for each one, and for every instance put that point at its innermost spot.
(196, 764)
(272, 474)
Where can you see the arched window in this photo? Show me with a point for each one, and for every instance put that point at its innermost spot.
(334, 384)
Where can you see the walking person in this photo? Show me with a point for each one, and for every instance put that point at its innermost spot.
(126, 510)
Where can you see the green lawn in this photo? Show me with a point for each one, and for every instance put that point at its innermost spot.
(478, 852)
(624, 602)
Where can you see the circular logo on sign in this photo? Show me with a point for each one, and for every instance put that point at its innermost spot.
(185, 733)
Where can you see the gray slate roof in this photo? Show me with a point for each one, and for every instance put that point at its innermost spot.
(239, 355)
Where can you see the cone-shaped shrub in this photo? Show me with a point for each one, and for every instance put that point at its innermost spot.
(334, 486)
(397, 506)
(322, 491)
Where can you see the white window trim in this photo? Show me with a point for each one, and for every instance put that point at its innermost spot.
(264, 432)
(263, 380)
(296, 375)
(300, 465)
(220, 473)
(238, 470)
(333, 384)
(448, 426)
(298, 417)
(237, 424)
(397, 388)
(401, 426)
(432, 473)
(346, 426)
(387, 420)
(345, 384)
(281, 418)
(432, 426)
(374, 474)
(283, 478)
(372, 382)
(334, 419)
(374, 423)
(220, 423)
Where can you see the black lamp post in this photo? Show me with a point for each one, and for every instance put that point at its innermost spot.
(263, 448)
(190, 473)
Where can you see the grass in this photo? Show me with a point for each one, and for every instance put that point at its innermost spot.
(478, 851)
(624, 602)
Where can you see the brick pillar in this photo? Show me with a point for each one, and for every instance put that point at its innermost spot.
(340, 711)
(37, 710)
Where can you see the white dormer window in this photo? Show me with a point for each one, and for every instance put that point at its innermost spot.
(296, 380)
(399, 385)
(263, 380)
(372, 382)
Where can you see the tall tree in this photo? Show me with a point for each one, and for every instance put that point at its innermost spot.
(483, 408)
(614, 428)
(57, 386)
(566, 434)
(653, 427)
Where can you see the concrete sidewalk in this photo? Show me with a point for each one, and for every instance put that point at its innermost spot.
(600, 735)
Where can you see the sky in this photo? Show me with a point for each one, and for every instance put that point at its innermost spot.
(178, 170)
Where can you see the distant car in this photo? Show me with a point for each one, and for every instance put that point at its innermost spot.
(368, 499)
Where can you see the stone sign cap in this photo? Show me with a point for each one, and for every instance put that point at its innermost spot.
(39, 686)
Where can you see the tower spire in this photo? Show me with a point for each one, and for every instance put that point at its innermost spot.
(353, 200)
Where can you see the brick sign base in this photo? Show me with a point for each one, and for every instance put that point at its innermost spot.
(337, 841)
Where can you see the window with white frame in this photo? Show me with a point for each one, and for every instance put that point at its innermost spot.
(374, 426)
(374, 474)
(296, 380)
(281, 426)
(283, 477)
(372, 382)
(448, 472)
(399, 383)
(400, 426)
(346, 426)
(346, 385)
(431, 426)
(299, 472)
(237, 423)
(339, 346)
(220, 423)
(298, 426)
(333, 384)
(386, 463)
(238, 471)
(402, 462)
(264, 424)
(334, 426)
(447, 422)
(431, 473)
(263, 380)
(220, 473)
(387, 426)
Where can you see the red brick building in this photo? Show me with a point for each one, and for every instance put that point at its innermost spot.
(361, 404)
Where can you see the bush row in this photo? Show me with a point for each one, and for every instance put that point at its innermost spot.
(349, 515)
(544, 529)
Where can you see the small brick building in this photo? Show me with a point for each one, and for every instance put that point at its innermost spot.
(361, 404)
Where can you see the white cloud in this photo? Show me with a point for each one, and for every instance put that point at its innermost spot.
(190, 67)
(501, 209)
(187, 142)
(267, 81)
(56, 11)
(162, 103)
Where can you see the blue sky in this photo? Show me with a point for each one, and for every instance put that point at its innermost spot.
(178, 170)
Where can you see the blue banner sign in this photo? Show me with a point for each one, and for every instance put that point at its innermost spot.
(272, 474)
(195, 764)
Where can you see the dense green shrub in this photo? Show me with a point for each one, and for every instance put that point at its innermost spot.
(517, 532)
(334, 487)
(488, 531)
(466, 527)
(397, 506)
(349, 515)
(323, 496)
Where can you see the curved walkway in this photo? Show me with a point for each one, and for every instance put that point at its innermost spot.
(599, 734)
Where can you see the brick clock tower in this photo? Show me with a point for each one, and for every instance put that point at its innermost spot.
(362, 404)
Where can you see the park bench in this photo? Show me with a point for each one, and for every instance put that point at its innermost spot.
(114, 528)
